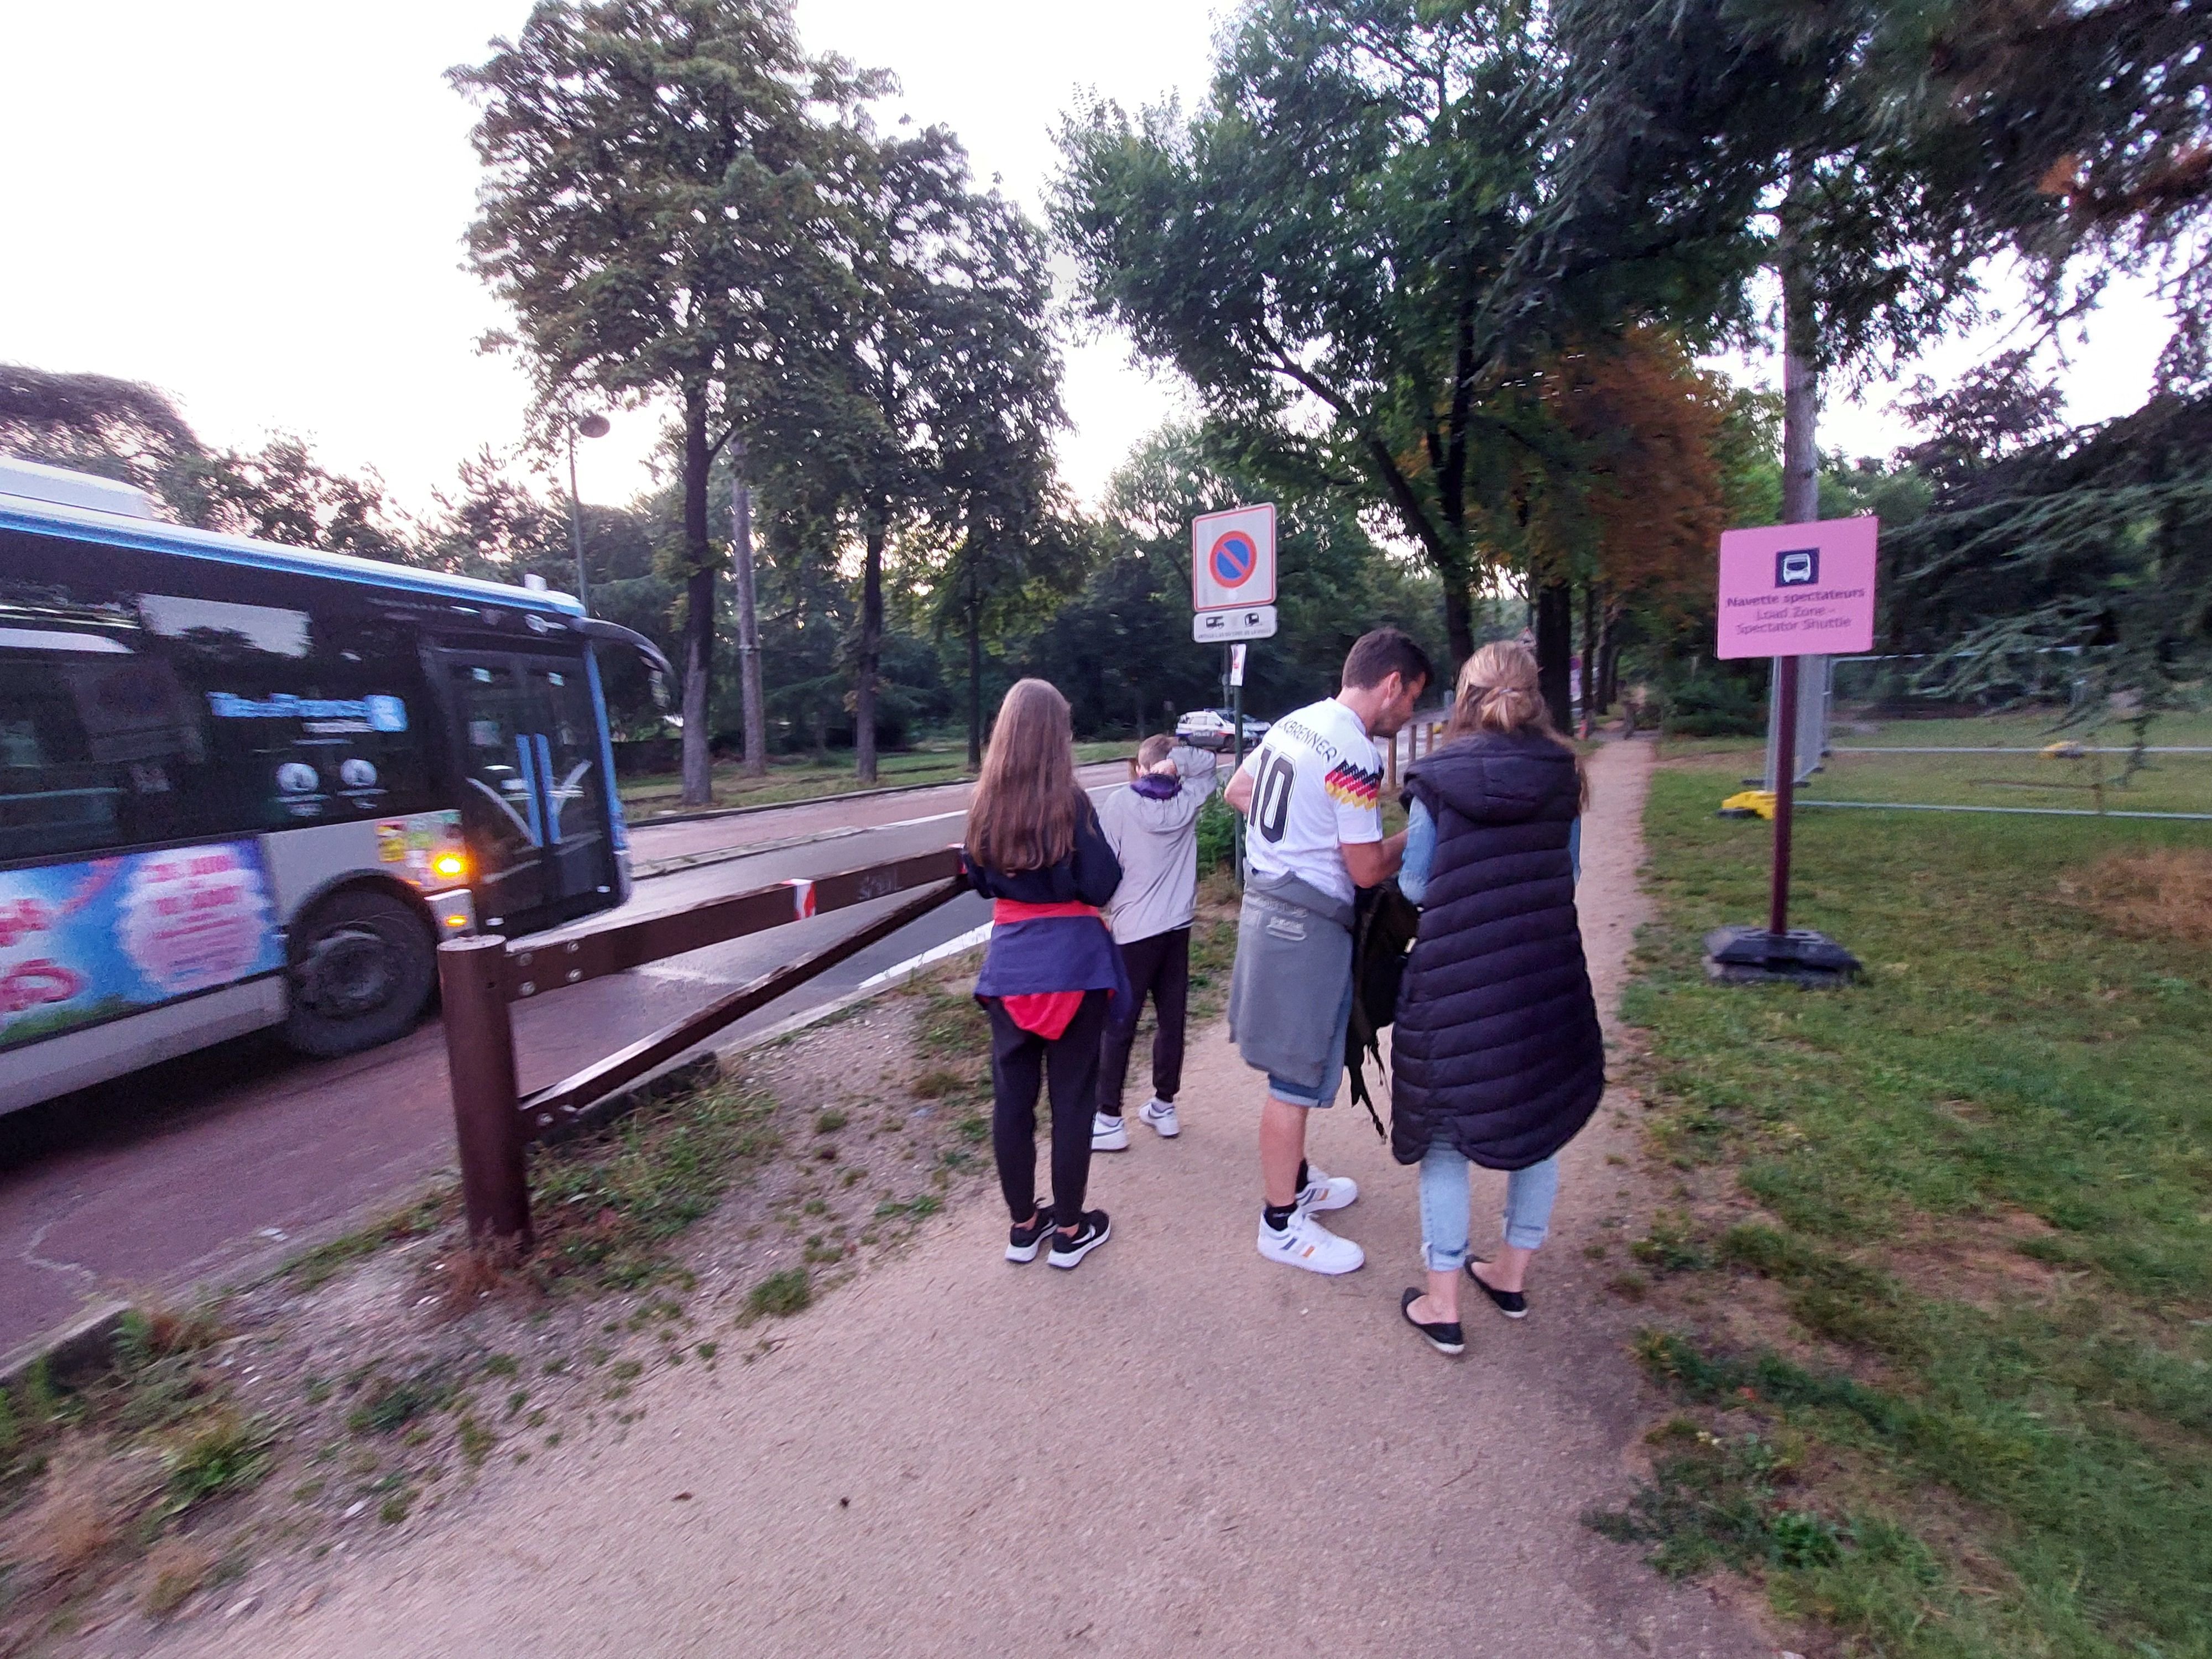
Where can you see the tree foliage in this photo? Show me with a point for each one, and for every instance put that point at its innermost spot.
(652, 215)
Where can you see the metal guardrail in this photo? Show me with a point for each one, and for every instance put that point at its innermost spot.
(479, 978)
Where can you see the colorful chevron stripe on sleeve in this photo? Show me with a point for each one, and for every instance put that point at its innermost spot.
(1353, 786)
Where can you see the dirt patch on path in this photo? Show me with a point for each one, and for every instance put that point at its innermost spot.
(1177, 1449)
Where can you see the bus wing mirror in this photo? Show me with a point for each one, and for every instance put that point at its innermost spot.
(658, 671)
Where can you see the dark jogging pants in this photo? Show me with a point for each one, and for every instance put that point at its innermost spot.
(1021, 1062)
(1158, 966)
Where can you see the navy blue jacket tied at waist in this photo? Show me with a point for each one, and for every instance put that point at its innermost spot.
(1057, 953)
(1497, 1051)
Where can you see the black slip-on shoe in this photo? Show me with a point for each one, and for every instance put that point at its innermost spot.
(1091, 1230)
(1444, 1339)
(1025, 1238)
(1512, 1304)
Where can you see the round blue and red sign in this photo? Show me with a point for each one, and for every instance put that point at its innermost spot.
(1233, 557)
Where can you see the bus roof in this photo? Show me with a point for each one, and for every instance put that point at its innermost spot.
(20, 512)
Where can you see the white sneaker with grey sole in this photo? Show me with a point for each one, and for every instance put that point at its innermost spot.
(1160, 1115)
(1108, 1134)
(1305, 1242)
(1327, 1191)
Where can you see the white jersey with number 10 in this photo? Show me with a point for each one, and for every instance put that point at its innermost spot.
(1316, 784)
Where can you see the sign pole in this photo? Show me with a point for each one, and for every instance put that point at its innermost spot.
(1786, 592)
(1785, 787)
(1236, 718)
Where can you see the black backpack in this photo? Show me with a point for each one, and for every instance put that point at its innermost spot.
(1383, 925)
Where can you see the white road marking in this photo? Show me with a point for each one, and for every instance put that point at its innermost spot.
(952, 947)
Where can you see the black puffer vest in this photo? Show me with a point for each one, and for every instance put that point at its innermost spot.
(1497, 1051)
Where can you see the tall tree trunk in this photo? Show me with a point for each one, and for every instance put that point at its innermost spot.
(749, 663)
(699, 606)
(974, 629)
(1801, 384)
(1555, 643)
(1459, 631)
(974, 675)
(1590, 603)
(872, 651)
(1608, 658)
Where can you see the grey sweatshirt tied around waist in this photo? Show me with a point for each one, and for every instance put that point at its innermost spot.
(1293, 962)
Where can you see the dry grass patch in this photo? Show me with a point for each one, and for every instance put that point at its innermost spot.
(2162, 893)
(175, 1571)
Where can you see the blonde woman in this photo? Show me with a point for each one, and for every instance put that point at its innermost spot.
(1498, 1060)
(1050, 972)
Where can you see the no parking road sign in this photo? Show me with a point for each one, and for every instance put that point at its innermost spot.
(1232, 559)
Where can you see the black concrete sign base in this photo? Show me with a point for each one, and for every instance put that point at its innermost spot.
(1752, 956)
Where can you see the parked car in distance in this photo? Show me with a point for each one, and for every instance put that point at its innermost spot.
(1216, 729)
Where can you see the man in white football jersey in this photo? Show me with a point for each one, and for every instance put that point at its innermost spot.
(1311, 795)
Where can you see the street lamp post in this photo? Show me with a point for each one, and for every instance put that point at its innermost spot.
(592, 426)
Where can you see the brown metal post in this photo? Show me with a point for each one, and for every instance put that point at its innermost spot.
(1390, 768)
(1785, 785)
(480, 1061)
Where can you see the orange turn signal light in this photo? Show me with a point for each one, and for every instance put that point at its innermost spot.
(457, 921)
(450, 864)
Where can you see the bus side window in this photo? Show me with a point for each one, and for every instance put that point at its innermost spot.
(97, 747)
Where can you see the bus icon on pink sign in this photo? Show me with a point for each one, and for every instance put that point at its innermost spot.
(1798, 590)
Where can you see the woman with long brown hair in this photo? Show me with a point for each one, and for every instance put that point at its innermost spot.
(1034, 848)
(1497, 1058)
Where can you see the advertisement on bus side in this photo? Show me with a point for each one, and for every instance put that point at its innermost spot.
(82, 942)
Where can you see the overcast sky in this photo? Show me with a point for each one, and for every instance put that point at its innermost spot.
(258, 207)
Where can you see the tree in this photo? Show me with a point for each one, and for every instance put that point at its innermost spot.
(950, 389)
(95, 423)
(652, 216)
(1361, 238)
(995, 503)
(2083, 557)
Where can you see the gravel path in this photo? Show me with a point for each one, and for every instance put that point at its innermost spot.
(1177, 1449)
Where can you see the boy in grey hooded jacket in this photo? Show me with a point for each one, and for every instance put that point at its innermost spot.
(1152, 826)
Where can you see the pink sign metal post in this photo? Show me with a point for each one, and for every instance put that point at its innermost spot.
(1789, 591)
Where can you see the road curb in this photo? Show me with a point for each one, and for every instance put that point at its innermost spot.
(704, 812)
(84, 1344)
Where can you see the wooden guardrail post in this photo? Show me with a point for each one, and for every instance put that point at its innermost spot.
(480, 1059)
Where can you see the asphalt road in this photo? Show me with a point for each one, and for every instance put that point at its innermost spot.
(215, 1163)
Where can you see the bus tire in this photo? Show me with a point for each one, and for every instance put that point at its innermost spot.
(363, 965)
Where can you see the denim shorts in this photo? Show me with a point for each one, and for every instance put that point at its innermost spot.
(1301, 1094)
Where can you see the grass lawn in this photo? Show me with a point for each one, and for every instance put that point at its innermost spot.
(1936, 1299)
(800, 777)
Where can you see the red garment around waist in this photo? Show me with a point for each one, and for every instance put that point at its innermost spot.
(1046, 1013)
(1008, 910)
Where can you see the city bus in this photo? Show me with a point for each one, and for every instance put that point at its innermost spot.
(244, 785)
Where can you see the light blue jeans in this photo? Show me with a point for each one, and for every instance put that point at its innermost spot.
(1529, 1196)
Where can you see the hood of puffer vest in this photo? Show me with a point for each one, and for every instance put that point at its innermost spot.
(1494, 779)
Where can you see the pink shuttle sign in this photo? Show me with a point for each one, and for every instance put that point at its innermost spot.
(1798, 590)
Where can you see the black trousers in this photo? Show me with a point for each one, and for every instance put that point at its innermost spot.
(1158, 966)
(1021, 1062)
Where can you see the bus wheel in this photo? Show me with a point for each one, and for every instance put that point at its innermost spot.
(363, 970)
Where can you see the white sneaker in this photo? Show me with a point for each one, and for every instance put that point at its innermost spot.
(1108, 1134)
(1327, 1191)
(1160, 1115)
(1306, 1243)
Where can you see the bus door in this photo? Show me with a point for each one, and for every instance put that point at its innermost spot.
(534, 789)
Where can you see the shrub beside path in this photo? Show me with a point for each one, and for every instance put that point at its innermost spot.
(1177, 1449)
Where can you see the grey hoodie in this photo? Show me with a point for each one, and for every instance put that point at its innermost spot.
(1157, 840)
